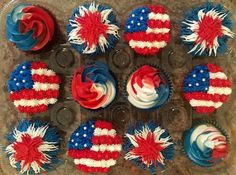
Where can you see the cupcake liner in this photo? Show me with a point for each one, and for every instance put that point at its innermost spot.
(217, 126)
(163, 74)
(99, 110)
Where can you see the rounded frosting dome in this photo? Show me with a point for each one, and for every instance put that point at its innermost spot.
(148, 87)
(93, 86)
(206, 145)
(29, 27)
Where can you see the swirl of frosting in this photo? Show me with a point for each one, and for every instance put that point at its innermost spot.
(148, 88)
(206, 145)
(93, 86)
(29, 27)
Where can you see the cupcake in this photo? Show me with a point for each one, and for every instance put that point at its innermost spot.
(29, 27)
(93, 86)
(148, 87)
(148, 146)
(206, 30)
(94, 146)
(32, 87)
(147, 29)
(206, 88)
(93, 29)
(206, 144)
(33, 147)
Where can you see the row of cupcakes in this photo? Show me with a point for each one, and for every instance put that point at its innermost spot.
(34, 146)
(93, 29)
(32, 87)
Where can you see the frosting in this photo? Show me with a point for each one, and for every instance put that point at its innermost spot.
(33, 147)
(206, 88)
(93, 29)
(147, 88)
(33, 87)
(147, 29)
(29, 27)
(94, 146)
(205, 145)
(93, 86)
(148, 146)
(206, 30)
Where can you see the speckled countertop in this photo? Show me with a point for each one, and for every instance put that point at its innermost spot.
(177, 116)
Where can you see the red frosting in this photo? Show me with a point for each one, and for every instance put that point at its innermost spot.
(82, 91)
(146, 74)
(38, 20)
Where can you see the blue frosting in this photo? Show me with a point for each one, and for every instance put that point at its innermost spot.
(111, 39)
(193, 16)
(51, 135)
(81, 138)
(25, 41)
(168, 152)
(198, 79)
(138, 15)
(21, 78)
(200, 157)
(98, 72)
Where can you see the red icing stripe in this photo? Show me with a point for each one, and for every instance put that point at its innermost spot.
(146, 50)
(29, 94)
(38, 65)
(205, 96)
(103, 125)
(158, 24)
(157, 9)
(204, 110)
(106, 140)
(46, 79)
(213, 68)
(87, 169)
(96, 155)
(143, 36)
(31, 110)
(220, 83)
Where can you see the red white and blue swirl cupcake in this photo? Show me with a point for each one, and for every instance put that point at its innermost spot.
(33, 147)
(93, 29)
(148, 146)
(148, 87)
(94, 146)
(29, 27)
(32, 87)
(206, 88)
(206, 30)
(147, 29)
(93, 86)
(206, 144)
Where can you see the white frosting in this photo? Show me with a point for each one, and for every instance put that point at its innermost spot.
(34, 102)
(144, 97)
(158, 16)
(102, 132)
(157, 30)
(41, 71)
(95, 163)
(45, 86)
(105, 147)
(143, 44)
(219, 90)
(205, 103)
(220, 75)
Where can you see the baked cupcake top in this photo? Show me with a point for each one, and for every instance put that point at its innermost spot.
(94, 146)
(29, 27)
(147, 29)
(32, 87)
(206, 145)
(148, 87)
(148, 146)
(93, 86)
(206, 30)
(206, 88)
(33, 147)
(93, 29)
